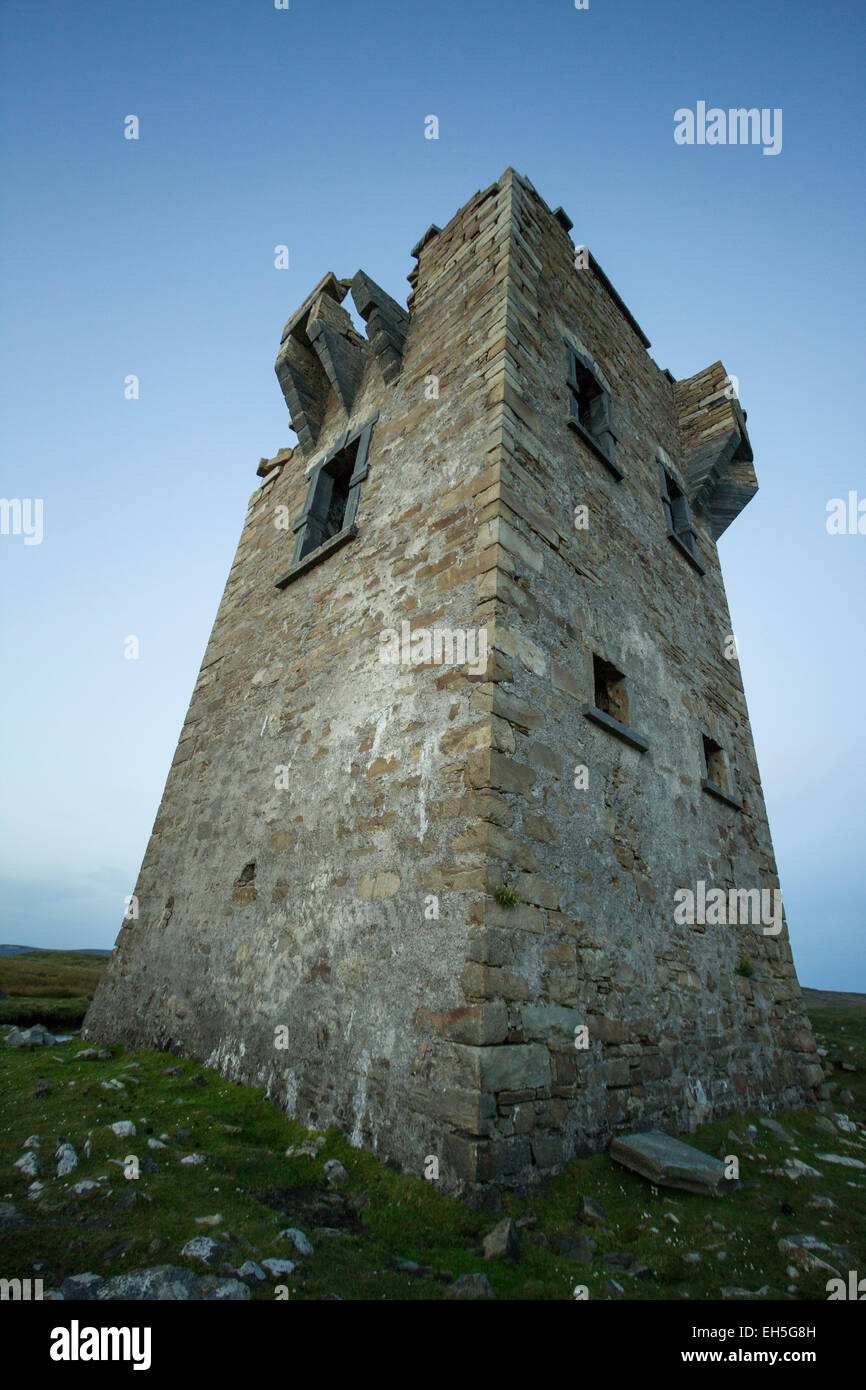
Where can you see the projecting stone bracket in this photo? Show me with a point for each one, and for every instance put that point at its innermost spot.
(320, 352)
(387, 324)
(717, 455)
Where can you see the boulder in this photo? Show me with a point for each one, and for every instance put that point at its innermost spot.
(503, 1242)
(667, 1162)
(474, 1286)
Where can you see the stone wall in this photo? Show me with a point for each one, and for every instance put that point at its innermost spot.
(323, 807)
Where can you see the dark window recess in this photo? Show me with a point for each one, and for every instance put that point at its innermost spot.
(718, 780)
(611, 696)
(717, 765)
(610, 707)
(590, 410)
(330, 496)
(328, 518)
(678, 516)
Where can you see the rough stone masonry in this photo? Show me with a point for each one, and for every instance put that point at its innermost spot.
(320, 910)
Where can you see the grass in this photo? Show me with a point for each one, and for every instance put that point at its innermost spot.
(49, 987)
(386, 1217)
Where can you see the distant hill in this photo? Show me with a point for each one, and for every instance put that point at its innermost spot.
(83, 951)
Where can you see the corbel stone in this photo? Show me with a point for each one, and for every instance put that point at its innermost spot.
(333, 337)
(303, 379)
(717, 456)
(387, 324)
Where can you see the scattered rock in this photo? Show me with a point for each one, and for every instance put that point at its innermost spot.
(731, 1292)
(573, 1245)
(795, 1169)
(823, 1122)
(842, 1160)
(11, 1219)
(164, 1282)
(28, 1164)
(442, 1276)
(215, 1220)
(200, 1248)
(298, 1239)
(127, 1200)
(32, 1142)
(251, 1274)
(193, 1160)
(124, 1129)
(775, 1128)
(37, 1036)
(821, 1203)
(67, 1159)
(502, 1242)
(86, 1186)
(803, 1251)
(335, 1173)
(626, 1262)
(846, 1097)
(475, 1286)
(591, 1212)
(278, 1269)
(156, 1144)
(112, 1085)
(667, 1162)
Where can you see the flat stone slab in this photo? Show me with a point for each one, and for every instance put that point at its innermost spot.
(667, 1162)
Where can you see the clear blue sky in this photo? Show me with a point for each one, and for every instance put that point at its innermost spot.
(305, 127)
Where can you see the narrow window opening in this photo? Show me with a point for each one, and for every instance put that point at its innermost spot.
(716, 760)
(679, 517)
(327, 514)
(611, 696)
(590, 411)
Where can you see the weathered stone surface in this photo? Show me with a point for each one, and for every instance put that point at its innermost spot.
(668, 1162)
(317, 910)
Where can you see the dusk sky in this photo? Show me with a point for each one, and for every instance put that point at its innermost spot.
(305, 127)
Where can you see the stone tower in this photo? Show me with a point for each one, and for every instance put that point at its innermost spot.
(475, 638)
